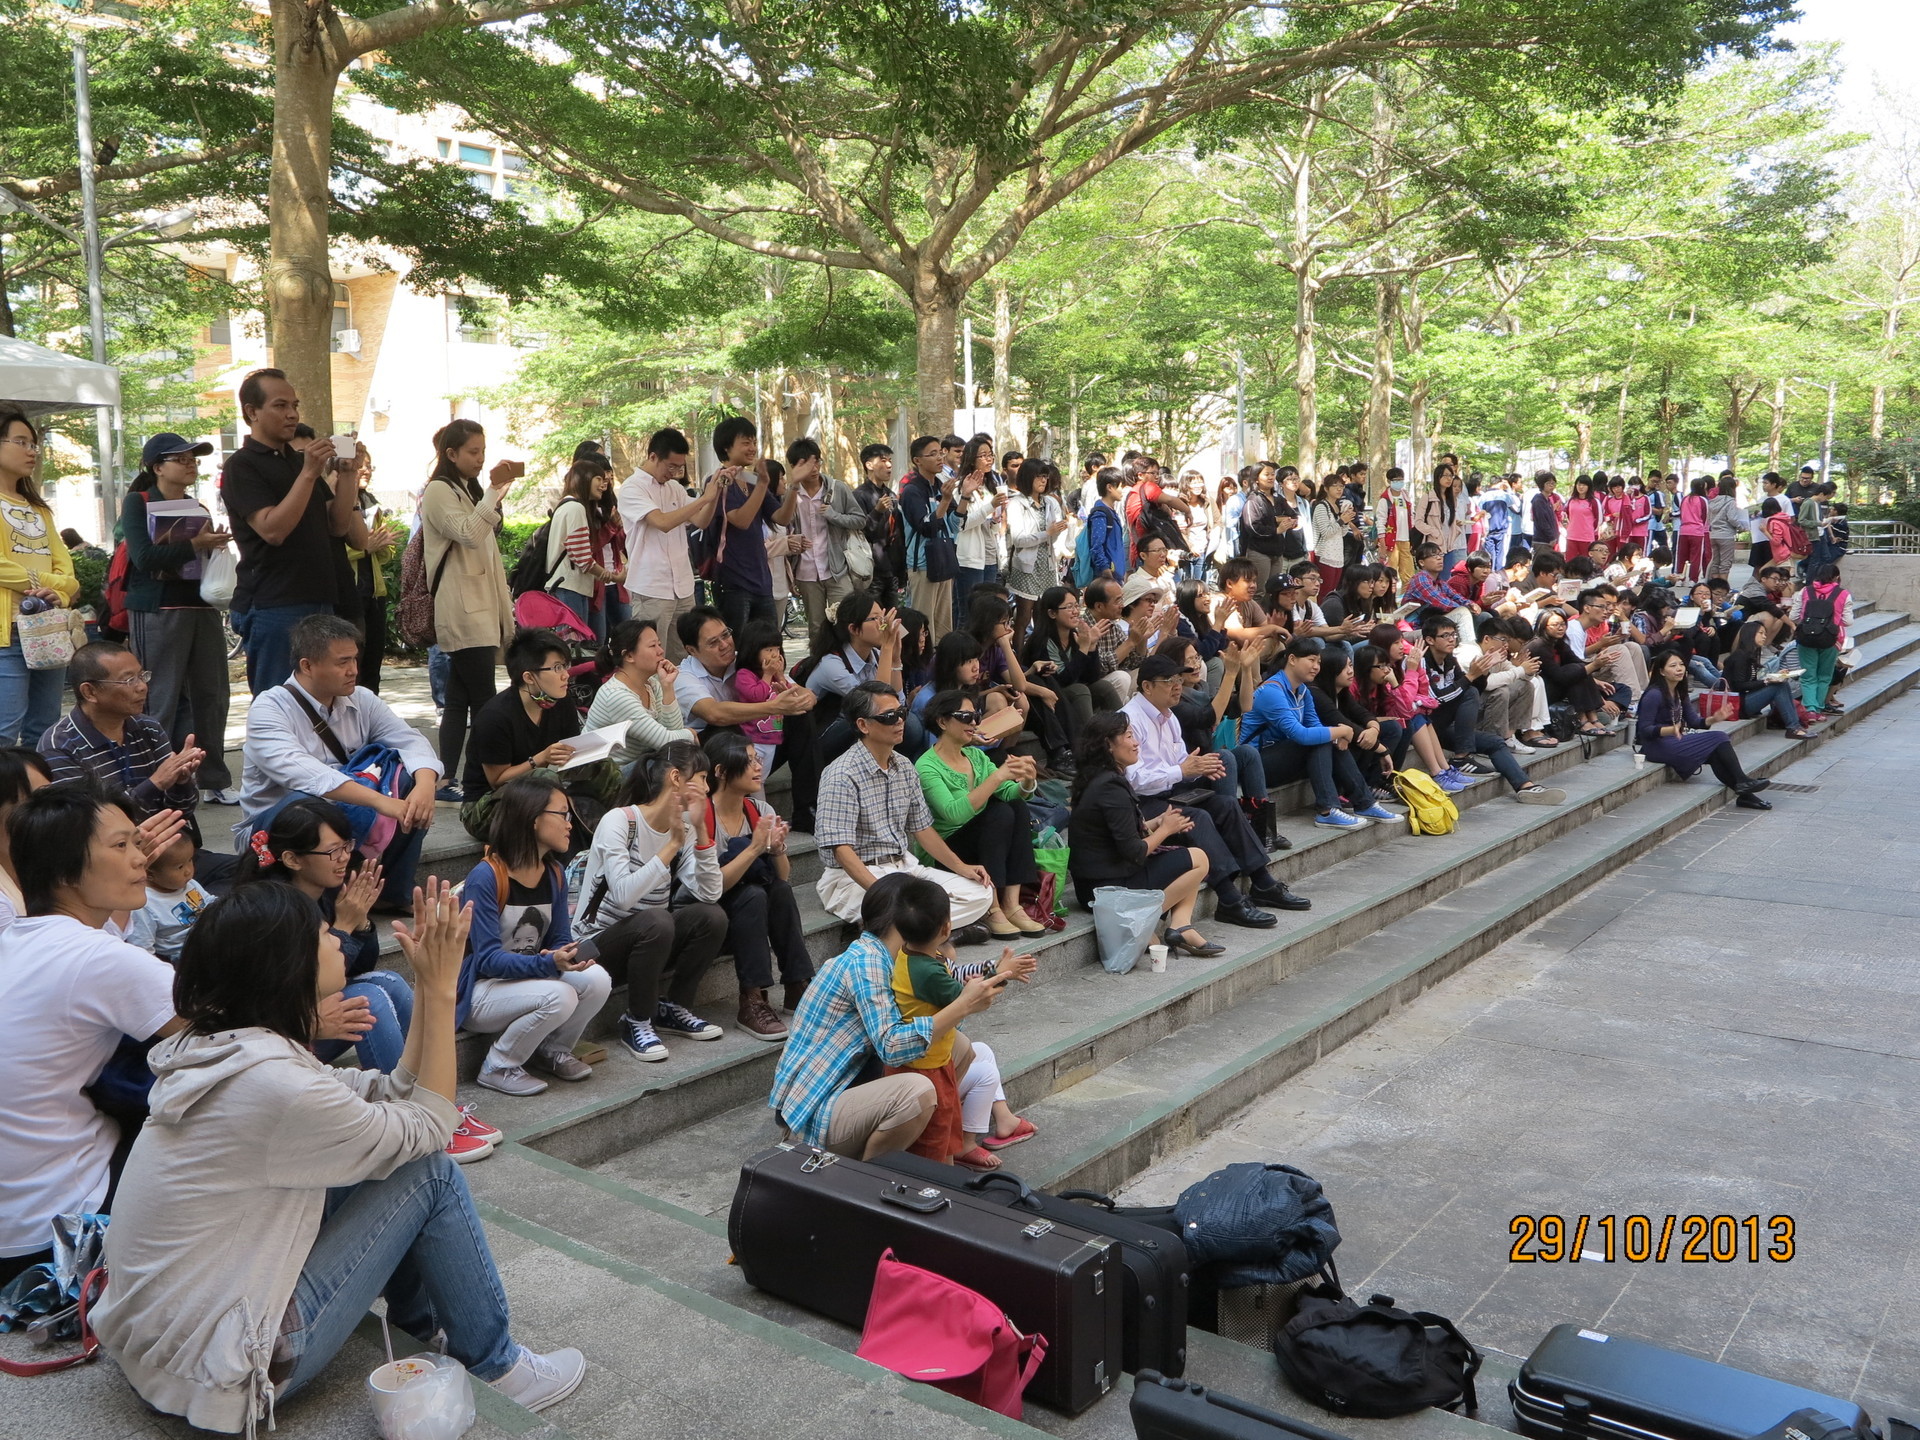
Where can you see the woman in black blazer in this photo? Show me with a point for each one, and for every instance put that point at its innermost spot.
(1110, 844)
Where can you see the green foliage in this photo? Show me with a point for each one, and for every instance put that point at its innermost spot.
(91, 572)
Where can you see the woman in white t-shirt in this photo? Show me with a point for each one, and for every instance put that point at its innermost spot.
(70, 989)
(22, 772)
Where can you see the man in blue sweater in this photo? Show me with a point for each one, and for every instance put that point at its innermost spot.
(1106, 532)
(1295, 743)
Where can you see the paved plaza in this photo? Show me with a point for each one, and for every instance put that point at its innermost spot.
(1730, 1026)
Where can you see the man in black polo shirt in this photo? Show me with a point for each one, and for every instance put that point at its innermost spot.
(287, 521)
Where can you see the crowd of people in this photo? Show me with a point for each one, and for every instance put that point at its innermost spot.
(1125, 666)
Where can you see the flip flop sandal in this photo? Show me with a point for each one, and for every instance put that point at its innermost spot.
(1025, 1130)
(977, 1159)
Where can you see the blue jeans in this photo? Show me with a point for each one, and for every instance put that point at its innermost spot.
(1329, 770)
(400, 859)
(963, 584)
(1704, 671)
(1246, 776)
(29, 699)
(594, 618)
(437, 667)
(414, 1238)
(739, 606)
(390, 999)
(1778, 698)
(1450, 560)
(265, 631)
(1458, 724)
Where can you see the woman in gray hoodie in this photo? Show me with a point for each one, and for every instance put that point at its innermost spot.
(271, 1198)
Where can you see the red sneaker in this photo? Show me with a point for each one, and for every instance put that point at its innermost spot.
(465, 1148)
(473, 1127)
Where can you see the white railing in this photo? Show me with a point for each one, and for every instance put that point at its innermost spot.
(1884, 537)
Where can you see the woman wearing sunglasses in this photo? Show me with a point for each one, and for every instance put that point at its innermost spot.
(980, 809)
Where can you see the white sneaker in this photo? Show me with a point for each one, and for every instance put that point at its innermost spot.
(220, 797)
(1520, 747)
(537, 1381)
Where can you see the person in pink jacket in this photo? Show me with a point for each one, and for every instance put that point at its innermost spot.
(1583, 516)
(1388, 685)
(1690, 557)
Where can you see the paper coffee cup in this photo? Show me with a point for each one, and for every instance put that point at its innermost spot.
(1157, 959)
(383, 1385)
(1639, 759)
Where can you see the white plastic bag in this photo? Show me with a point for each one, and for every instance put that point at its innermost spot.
(435, 1406)
(1124, 922)
(219, 573)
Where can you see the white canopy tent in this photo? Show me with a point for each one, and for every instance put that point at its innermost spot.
(38, 379)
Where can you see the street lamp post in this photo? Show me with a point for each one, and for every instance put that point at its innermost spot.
(106, 448)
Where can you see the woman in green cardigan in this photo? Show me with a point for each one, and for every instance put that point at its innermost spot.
(980, 809)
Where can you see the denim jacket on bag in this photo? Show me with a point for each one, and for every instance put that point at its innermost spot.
(1257, 1224)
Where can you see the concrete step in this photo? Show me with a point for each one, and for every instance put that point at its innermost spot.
(1315, 851)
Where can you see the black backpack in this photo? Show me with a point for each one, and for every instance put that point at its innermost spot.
(531, 571)
(1817, 631)
(1373, 1359)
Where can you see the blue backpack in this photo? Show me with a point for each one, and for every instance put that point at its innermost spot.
(1082, 558)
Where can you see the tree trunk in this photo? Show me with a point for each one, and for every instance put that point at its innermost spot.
(1620, 416)
(299, 284)
(1002, 365)
(1583, 441)
(1306, 376)
(1379, 449)
(1777, 430)
(1666, 413)
(1413, 318)
(936, 320)
(6, 305)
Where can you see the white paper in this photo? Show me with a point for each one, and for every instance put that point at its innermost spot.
(1686, 617)
(592, 745)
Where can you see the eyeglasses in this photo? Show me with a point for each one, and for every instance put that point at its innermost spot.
(889, 717)
(332, 852)
(139, 677)
(965, 717)
(566, 813)
(553, 670)
(23, 441)
(715, 639)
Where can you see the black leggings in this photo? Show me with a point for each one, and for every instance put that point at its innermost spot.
(1000, 837)
(469, 686)
(649, 942)
(1726, 766)
(765, 923)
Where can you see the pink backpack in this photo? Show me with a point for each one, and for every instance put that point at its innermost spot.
(926, 1327)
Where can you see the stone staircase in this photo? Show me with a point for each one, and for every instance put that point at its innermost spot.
(607, 1204)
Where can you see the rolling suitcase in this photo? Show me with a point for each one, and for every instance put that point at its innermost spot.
(1582, 1385)
(810, 1226)
(1154, 1314)
(1164, 1409)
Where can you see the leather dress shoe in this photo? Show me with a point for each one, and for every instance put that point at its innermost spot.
(1276, 896)
(1238, 912)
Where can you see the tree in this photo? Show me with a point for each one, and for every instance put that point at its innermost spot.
(920, 144)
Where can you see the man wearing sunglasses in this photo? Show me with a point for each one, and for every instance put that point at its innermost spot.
(872, 814)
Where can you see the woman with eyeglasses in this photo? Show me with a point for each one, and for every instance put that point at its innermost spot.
(177, 634)
(37, 567)
(980, 808)
(309, 845)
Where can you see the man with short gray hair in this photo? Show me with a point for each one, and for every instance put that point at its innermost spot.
(301, 735)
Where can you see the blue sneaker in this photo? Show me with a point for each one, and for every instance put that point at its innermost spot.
(1451, 781)
(1339, 819)
(1378, 812)
(678, 1020)
(639, 1039)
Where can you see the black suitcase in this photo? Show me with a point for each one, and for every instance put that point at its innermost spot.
(1154, 1317)
(810, 1226)
(1164, 1409)
(1583, 1385)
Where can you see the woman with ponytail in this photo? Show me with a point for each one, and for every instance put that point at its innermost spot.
(472, 609)
(656, 836)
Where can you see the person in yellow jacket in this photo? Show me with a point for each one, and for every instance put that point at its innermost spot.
(34, 564)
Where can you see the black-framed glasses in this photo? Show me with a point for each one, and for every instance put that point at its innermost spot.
(889, 717)
(332, 852)
(566, 813)
(553, 670)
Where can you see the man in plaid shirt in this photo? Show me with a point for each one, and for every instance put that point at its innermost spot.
(872, 812)
(848, 1016)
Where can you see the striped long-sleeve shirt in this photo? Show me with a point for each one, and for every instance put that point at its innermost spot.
(74, 748)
